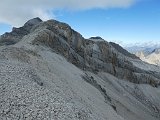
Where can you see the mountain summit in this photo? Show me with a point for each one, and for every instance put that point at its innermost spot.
(49, 71)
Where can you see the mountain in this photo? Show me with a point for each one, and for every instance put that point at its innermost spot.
(18, 33)
(147, 47)
(49, 71)
(150, 57)
(150, 52)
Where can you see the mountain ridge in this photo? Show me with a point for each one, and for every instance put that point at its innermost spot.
(152, 57)
(149, 54)
(73, 77)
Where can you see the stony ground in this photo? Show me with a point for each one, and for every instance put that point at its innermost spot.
(47, 87)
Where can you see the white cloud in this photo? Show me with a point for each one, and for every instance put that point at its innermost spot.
(17, 12)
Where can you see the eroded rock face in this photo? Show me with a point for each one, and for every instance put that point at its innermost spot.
(89, 54)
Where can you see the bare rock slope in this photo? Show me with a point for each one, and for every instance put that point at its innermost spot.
(49, 71)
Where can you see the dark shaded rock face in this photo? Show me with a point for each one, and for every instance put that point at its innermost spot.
(86, 54)
(17, 33)
(96, 37)
(156, 51)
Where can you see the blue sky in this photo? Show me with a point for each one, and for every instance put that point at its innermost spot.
(137, 22)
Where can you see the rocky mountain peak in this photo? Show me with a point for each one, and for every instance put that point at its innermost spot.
(18, 33)
(50, 71)
(94, 55)
(33, 21)
(86, 54)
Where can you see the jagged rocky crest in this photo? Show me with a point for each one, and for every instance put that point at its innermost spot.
(18, 33)
(93, 55)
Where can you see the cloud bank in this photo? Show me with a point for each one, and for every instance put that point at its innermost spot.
(17, 12)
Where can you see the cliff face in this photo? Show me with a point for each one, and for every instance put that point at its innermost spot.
(57, 62)
(88, 54)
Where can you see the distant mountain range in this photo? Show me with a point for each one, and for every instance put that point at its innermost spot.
(148, 53)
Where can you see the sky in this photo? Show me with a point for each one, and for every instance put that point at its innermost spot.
(126, 22)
